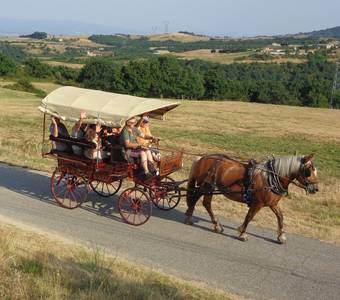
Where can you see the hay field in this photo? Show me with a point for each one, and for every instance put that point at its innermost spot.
(64, 64)
(243, 130)
(177, 36)
(205, 54)
(229, 58)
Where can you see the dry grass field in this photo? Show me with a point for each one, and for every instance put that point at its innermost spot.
(33, 266)
(229, 58)
(65, 64)
(177, 36)
(205, 54)
(243, 130)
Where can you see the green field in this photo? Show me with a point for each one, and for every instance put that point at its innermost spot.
(243, 130)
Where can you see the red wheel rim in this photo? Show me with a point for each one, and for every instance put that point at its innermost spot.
(166, 198)
(134, 206)
(106, 189)
(68, 190)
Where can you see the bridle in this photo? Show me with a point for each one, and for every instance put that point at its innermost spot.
(304, 173)
(306, 184)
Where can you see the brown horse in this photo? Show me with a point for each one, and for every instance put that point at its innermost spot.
(257, 184)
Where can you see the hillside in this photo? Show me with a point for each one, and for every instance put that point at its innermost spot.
(178, 36)
(329, 32)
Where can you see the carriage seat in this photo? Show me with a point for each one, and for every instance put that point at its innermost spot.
(82, 143)
(70, 157)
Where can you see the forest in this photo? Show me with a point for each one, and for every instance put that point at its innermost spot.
(304, 84)
(308, 84)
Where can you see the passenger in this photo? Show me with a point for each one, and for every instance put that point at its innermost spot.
(144, 127)
(92, 135)
(58, 129)
(104, 134)
(112, 143)
(131, 147)
(78, 132)
(108, 137)
(117, 130)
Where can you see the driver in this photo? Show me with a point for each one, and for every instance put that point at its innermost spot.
(144, 127)
(132, 149)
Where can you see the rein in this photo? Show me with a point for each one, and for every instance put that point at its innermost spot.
(276, 188)
(296, 183)
(237, 159)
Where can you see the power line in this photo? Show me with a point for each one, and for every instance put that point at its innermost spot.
(166, 26)
(154, 29)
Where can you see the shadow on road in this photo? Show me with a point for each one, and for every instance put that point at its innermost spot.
(37, 187)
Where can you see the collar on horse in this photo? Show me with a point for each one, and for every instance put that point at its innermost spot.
(274, 181)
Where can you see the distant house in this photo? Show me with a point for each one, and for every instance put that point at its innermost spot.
(278, 52)
(99, 53)
(91, 54)
(302, 52)
(276, 45)
(273, 51)
(327, 46)
(267, 50)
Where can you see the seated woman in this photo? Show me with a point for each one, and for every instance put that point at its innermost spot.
(92, 135)
(132, 149)
(58, 129)
(78, 132)
(144, 127)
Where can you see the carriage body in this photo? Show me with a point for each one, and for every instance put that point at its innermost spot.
(75, 176)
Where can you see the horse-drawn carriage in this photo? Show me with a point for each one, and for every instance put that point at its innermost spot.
(75, 176)
(256, 184)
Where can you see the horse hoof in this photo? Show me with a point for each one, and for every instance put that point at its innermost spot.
(188, 221)
(243, 237)
(218, 228)
(282, 238)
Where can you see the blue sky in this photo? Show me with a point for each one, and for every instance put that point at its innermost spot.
(220, 17)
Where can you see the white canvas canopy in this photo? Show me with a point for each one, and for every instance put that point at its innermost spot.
(110, 109)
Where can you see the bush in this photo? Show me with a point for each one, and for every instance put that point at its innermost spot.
(15, 53)
(36, 35)
(7, 66)
(35, 68)
(25, 86)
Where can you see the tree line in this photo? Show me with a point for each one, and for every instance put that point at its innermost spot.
(128, 47)
(307, 84)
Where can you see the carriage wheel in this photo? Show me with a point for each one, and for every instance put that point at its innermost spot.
(168, 196)
(106, 189)
(134, 206)
(68, 190)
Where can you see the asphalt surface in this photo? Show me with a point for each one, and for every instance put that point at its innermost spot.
(260, 268)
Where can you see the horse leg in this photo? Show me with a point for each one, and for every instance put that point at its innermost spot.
(253, 210)
(191, 203)
(281, 237)
(207, 204)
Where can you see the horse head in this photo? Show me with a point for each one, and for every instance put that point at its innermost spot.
(307, 175)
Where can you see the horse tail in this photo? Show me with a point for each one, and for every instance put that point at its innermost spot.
(191, 185)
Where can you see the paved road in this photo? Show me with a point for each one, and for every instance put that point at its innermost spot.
(260, 269)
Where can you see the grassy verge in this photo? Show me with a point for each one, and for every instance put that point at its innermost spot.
(35, 267)
(25, 86)
(243, 130)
